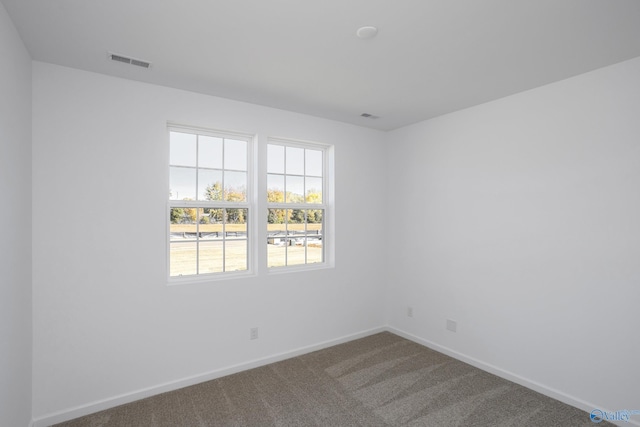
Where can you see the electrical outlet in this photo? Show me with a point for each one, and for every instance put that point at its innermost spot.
(253, 333)
(409, 311)
(452, 325)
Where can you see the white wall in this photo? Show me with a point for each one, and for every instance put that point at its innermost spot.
(105, 323)
(15, 217)
(522, 223)
(517, 218)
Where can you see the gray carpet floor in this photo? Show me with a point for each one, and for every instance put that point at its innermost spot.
(380, 380)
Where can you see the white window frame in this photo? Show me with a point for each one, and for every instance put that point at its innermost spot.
(249, 204)
(327, 205)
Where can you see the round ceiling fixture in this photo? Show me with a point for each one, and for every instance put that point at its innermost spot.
(367, 32)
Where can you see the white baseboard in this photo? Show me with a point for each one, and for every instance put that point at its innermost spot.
(533, 385)
(122, 399)
(112, 402)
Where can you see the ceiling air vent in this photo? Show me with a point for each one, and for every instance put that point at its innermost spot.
(127, 60)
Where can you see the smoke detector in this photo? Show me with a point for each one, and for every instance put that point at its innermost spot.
(367, 32)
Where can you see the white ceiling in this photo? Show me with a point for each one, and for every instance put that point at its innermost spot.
(430, 57)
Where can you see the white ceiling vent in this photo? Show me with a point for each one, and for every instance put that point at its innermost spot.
(127, 60)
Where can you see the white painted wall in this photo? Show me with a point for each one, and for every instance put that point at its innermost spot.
(15, 217)
(521, 221)
(517, 218)
(105, 323)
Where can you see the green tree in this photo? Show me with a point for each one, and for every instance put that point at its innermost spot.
(275, 196)
(313, 196)
(215, 215)
(275, 216)
(214, 191)
(190, 215)
(176, 215)
(183, 215)
(314, 216)
(294, 198)
(234, 215)
(297, 216)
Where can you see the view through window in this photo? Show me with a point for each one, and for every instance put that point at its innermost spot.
(296, 209)
(208, 203)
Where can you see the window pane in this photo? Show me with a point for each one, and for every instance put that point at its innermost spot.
(276, 255)
(183, 258)
(182, 224)
(182, 151)
(295, 161)
(211, 241)
(275, 158)
(296, 252)
(297, 241)
(209, 184)
(210, 226)
(215, 216)
(296, 236)
(182, 183)
(276, 238)
(236, 240)
(275, 188)
(208, 240)
(313, 190)
(235, 255)
(277, 218)
(235, 186)
(313, 163)
(209, 152)
(296, 220)
(211, 257)
(236, 222)
(314, 236)
(235, 154)
(314, 216)
(295, 189)
(236, 225)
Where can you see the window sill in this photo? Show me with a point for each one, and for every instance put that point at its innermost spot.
(205, 278)
(298, 268)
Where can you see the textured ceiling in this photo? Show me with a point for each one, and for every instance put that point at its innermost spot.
(429, 58)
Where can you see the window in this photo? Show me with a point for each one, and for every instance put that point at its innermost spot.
(296, 187)
(209, 179)
(215, 229)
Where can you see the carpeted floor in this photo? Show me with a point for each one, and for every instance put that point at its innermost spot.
(381, 380)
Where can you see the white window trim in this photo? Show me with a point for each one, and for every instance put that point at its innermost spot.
(328, 202)
(250, 205)
(257, 206)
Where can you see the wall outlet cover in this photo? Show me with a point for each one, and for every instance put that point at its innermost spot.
(253, 333)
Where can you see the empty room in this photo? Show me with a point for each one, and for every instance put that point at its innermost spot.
(338, 213)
